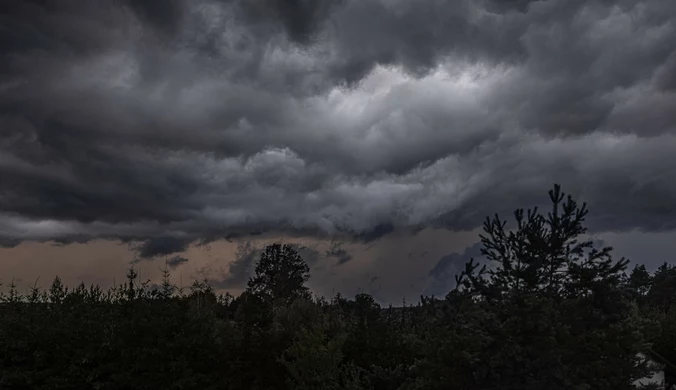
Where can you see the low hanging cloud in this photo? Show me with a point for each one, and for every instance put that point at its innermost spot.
(176, 261)
(168, 122)
(158, 246)
(237, 273)
(339, 253)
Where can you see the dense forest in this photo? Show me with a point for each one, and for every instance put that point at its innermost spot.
(548, 310)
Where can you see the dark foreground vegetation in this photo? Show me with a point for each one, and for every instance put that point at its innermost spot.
(549, 312)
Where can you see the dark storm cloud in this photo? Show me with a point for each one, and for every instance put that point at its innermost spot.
(75, 239)
(175, 261)
(300, 18)
(309, 253)
(338, 252)
(164, 15)
(141, 120)
(509, 5)
(375, 233)
(665, 79)
(419, 35)
(238, 271)
(162, 246)
(9, 242)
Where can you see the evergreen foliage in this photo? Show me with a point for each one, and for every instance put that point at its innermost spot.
(549, 311)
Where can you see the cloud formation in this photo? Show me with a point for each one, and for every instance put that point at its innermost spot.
(142, 120)
(442, 275)
(338, 252)
(175, 261)
(158, 246)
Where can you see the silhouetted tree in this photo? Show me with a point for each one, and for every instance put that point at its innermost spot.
(558, 301)
(662, 292)
(281, 274)
(167, 288)
(639, 282)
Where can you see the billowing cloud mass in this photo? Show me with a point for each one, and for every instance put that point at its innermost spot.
(170, 121)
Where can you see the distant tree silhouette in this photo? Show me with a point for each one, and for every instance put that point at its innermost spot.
(167, 288)
(281, 274)
(663, 285)
(638, 283)
(57, 291)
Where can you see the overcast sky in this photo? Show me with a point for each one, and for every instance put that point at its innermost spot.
(344, 126)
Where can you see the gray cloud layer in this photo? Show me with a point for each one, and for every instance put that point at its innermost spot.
(206, 118)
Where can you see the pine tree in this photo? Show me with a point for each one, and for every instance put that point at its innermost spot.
(167, 288)
(543, 254)
(557, 299)
(57, 291)
(639, 282)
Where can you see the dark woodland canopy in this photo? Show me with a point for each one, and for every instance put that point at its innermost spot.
(548, 311)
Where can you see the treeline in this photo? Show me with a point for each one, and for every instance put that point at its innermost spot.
(548, 311)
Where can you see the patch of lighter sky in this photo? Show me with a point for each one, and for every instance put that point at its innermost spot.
(274, 157)
(388, 96)
(347, 104)
(18, 227)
